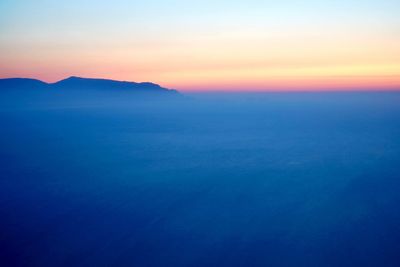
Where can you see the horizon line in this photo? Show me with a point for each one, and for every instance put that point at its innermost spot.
(302, 89)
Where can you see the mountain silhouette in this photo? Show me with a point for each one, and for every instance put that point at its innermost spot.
(21, 83)
(78, 83)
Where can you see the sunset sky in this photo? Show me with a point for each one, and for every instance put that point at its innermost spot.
(206, 45)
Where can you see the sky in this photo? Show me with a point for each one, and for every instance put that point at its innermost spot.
(224, 45)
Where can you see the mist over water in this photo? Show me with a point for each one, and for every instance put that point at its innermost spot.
(263, 179)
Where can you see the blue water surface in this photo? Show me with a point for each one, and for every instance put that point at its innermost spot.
(276, 179)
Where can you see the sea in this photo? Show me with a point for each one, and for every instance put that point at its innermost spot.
(218, 179)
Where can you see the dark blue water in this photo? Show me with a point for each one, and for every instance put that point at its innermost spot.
(230, 180)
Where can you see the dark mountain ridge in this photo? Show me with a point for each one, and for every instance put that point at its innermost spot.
(79, 83)
(21, 83)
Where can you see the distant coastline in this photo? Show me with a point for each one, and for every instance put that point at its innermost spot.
(74, 82)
